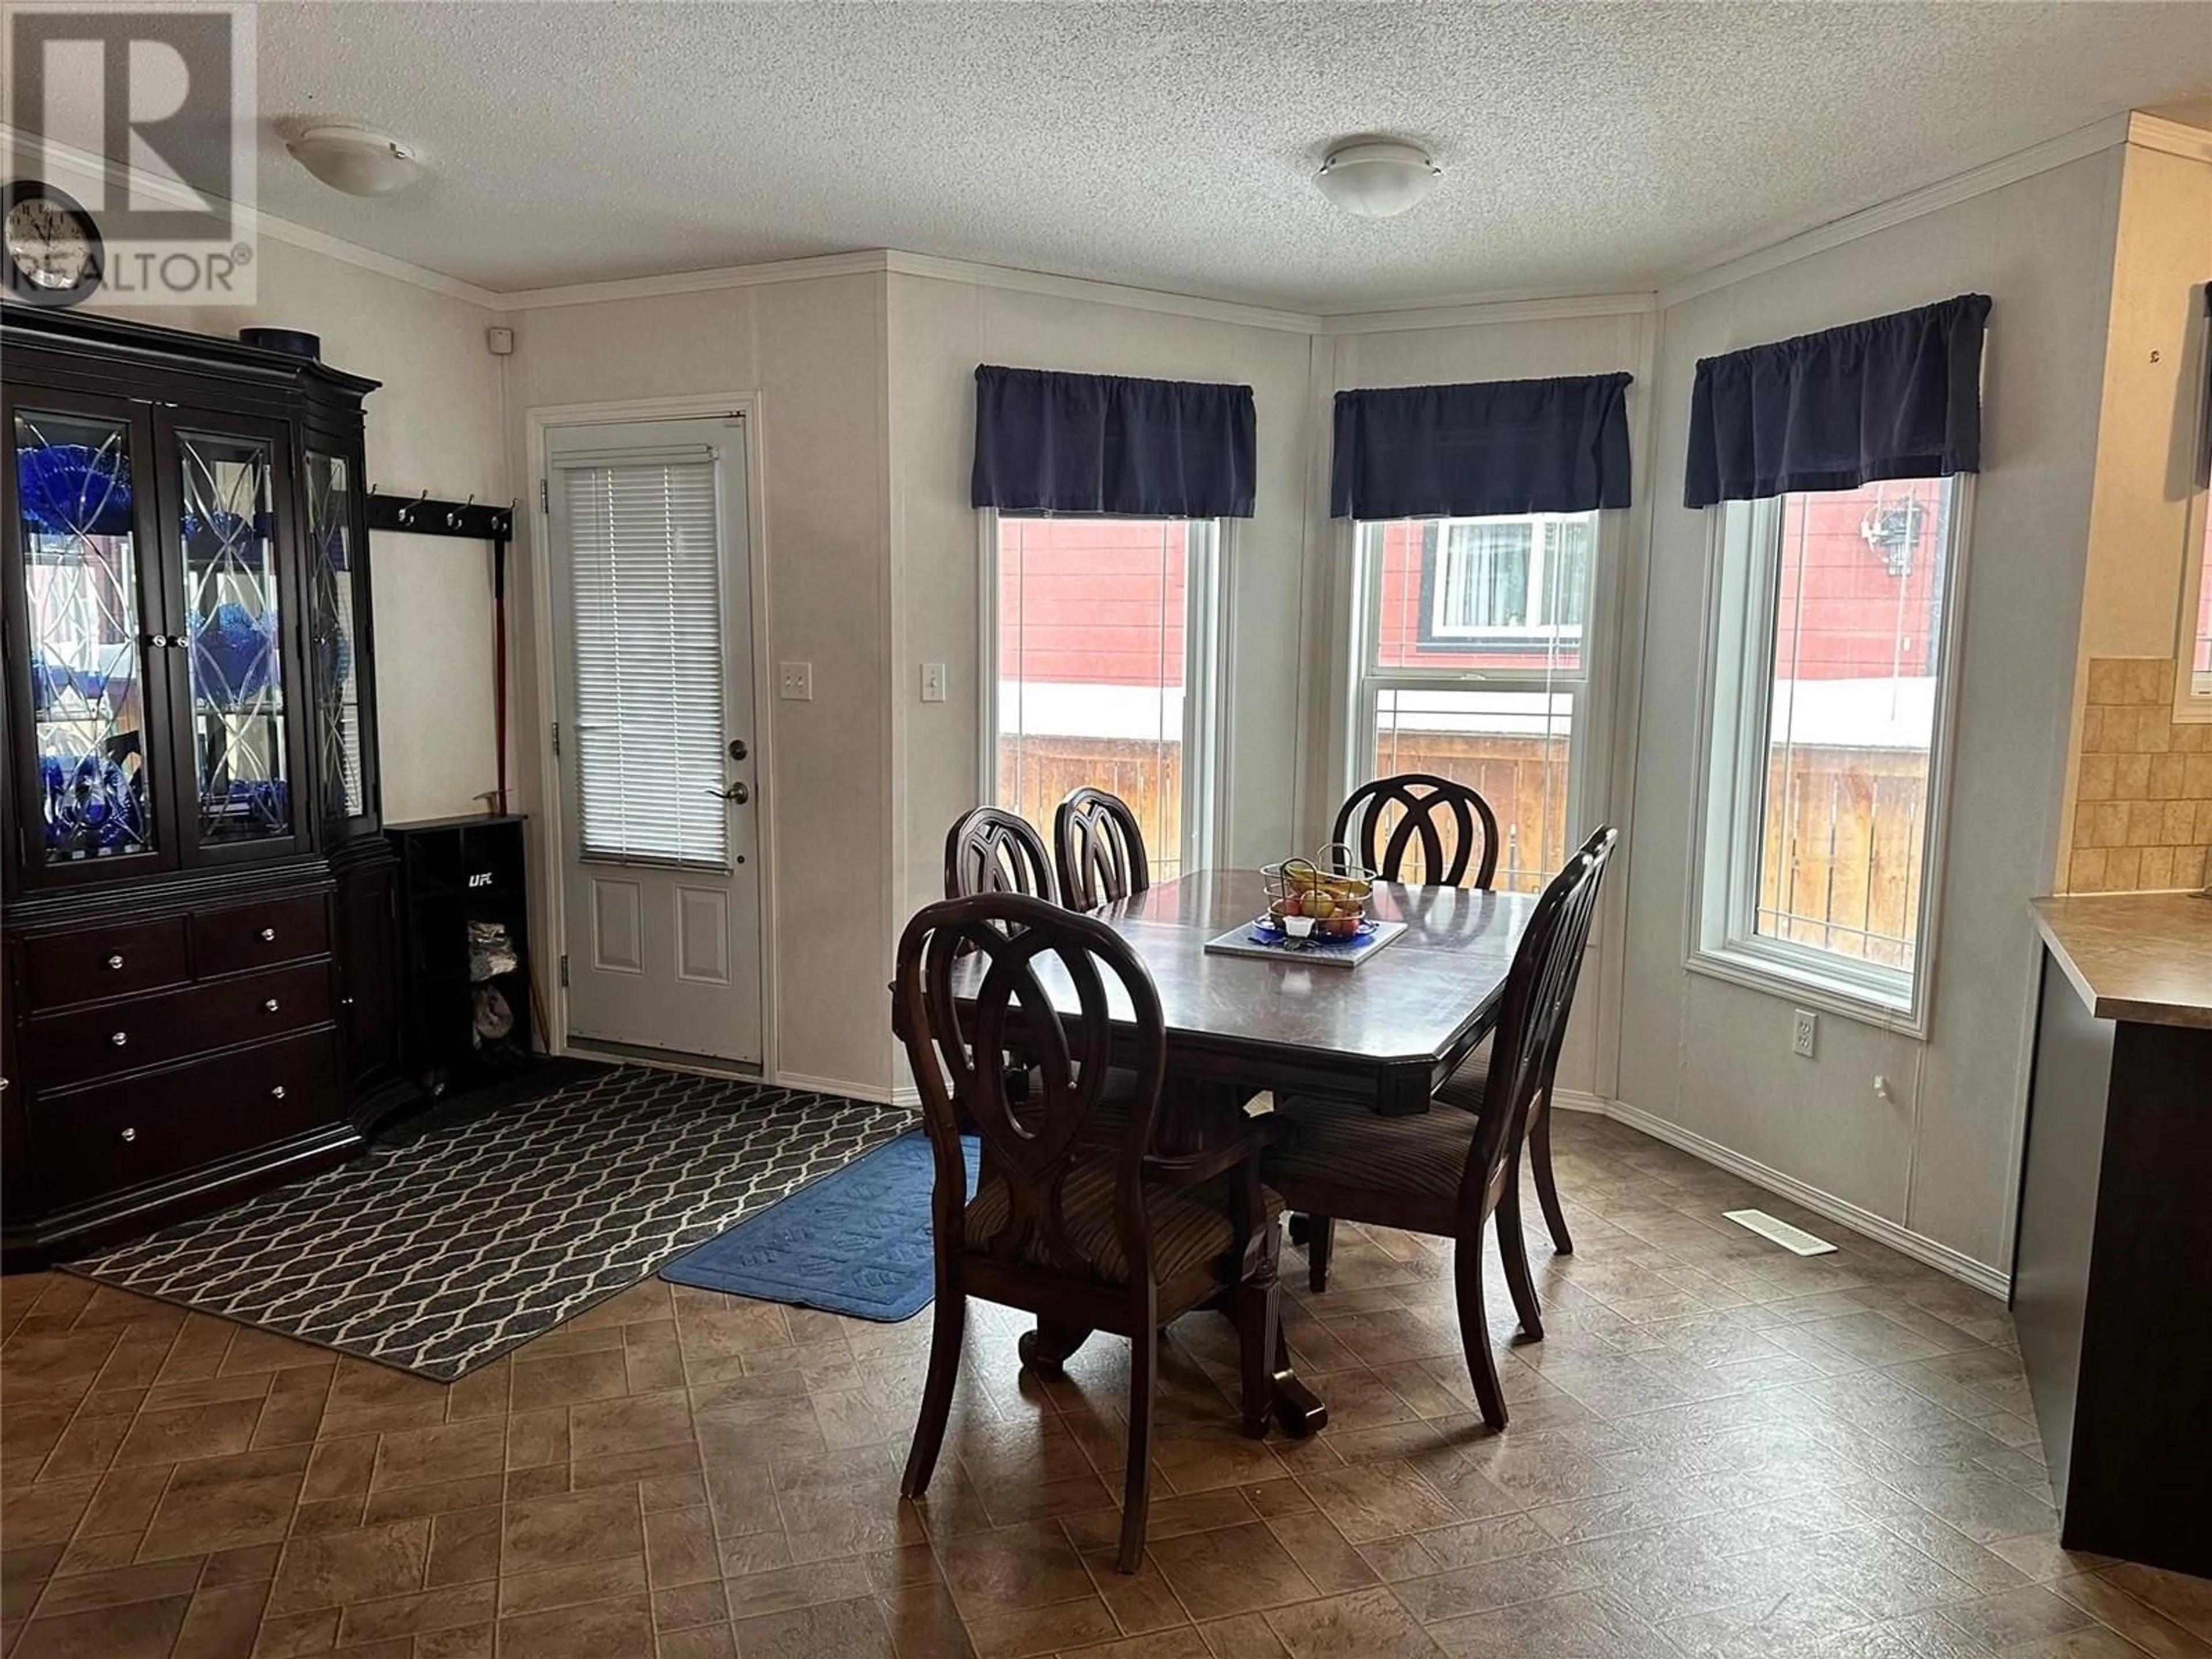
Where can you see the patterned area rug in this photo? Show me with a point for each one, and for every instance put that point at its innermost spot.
(442, 1254)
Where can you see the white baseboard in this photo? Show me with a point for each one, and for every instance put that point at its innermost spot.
(1580, 1100)
(1860, 1220)
(908, 1097)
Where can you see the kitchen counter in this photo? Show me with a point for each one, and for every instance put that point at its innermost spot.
(2111, 1286)
(2144, 957)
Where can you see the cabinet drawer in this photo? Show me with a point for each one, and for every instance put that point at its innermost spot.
(104, 959)
(114, 1135)
(97, 1043)
(244, 936)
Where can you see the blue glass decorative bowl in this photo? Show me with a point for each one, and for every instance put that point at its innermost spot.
(70, 490)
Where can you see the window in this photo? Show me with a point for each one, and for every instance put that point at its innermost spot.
(1105, 665)
(645, 574)
(1471, 665)
(1505, 578)
(1833, 622)
(2193, 683)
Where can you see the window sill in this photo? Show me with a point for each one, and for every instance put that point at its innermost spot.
(1813, 990)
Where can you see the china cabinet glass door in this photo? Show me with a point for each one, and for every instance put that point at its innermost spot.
(86, 623)
(333, 634)
(237, 746)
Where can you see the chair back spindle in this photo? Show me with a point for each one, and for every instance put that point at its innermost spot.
(990, 850)
(1451, 824)
(1100, 849)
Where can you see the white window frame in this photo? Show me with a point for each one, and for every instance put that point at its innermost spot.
(1586, 689)
(1743, 570)
(2193, 694)
(1543, 538)
(1205, 658)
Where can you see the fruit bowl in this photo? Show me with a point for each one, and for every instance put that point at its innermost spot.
(1328, 890)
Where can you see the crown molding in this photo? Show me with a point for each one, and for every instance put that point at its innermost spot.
(81, 166)
(1475, 311)
(2173, 137)
(2052, 153)
(865, 262)
(1126, 296)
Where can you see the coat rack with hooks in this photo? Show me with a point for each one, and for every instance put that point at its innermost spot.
(421, 515)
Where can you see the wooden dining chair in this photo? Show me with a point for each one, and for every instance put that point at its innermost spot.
(1453, 827)
(1088, 1236)
(1445, 1173)
(990, 850)
(1099, 848)
(1469, 1089)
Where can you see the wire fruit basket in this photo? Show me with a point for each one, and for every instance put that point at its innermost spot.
(1325, 895)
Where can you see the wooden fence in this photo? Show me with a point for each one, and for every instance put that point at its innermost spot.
(1840, 867)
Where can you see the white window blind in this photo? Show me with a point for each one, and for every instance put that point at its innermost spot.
(645, 566)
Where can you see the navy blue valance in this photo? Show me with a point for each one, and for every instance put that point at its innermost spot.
(1496, 447)
(1896, 397)
(1047, 442)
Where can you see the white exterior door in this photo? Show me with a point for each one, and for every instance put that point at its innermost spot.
(653, 607)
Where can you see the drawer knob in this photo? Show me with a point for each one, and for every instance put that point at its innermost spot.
(269, 936)
(270, 1006)
(120, 1038)
(131, 1134)
(276, 1093)
(114, 963)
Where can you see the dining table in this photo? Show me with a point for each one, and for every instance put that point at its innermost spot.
(1382, 1032)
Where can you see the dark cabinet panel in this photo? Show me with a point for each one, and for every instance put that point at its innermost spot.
(369, 1005)
(104, 959)
(143, 1129)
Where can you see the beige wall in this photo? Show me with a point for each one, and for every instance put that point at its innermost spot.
(811, 353)
(1709, 1061)
(2139, 815)
(435, 426)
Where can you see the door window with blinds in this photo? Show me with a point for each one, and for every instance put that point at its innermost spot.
(646, 620)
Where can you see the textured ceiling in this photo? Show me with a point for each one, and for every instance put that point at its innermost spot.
(1584, 146)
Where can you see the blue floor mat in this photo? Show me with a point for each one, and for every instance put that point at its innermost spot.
(857, 1241)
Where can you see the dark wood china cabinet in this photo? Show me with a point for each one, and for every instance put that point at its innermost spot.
(196, 893)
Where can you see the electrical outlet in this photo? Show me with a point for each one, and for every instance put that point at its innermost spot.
(933, 681)
(1805, 1034)
(794, 682)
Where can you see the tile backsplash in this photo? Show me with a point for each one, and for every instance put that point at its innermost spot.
(2142, 813)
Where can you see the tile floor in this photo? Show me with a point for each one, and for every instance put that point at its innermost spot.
(1719, 1448)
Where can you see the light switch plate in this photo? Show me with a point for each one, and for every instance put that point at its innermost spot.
(933, 681)
(794, 682)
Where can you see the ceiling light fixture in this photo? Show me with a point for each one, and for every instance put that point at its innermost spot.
(356, 159)
(1377, 178)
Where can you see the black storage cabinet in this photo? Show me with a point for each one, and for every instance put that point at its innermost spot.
(465, 1013)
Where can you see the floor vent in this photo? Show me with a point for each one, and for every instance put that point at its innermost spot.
(1795, 1239)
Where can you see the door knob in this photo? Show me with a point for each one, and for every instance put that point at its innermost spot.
(737, 794)
(269, 936)
(130, 1134)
